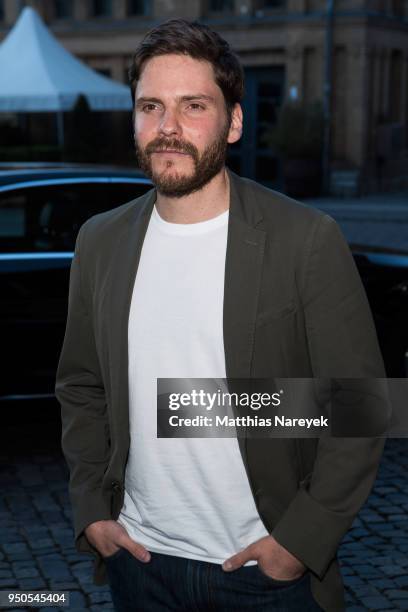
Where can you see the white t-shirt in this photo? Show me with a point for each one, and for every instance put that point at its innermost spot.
(188, 497)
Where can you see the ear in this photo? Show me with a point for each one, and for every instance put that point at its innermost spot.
(235, 130)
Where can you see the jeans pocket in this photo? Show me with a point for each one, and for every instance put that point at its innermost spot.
(281, 583)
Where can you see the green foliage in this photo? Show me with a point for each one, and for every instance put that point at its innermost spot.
(298, 133)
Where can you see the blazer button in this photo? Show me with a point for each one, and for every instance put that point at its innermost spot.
(116, 486)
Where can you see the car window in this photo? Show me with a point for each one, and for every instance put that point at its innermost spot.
(47, 218)
(120, 193)
(12, 215)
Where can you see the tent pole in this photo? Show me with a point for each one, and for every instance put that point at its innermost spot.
(60, 129)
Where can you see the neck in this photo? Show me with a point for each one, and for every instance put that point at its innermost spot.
(208, 202)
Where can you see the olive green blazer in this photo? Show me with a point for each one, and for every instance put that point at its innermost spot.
(294, 306)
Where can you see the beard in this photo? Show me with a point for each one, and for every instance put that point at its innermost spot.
(206, 165)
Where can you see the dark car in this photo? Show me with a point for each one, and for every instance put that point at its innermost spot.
(384, 273)
(41, 211)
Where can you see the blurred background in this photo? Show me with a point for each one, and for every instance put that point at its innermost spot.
(325, 121)
(337, 66)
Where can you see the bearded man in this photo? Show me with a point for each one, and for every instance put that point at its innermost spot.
(208, 275)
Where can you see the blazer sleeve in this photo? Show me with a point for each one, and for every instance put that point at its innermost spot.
(80, 391)
(342, 343)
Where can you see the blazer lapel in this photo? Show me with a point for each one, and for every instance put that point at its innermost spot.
(124, 269)
(243, 269)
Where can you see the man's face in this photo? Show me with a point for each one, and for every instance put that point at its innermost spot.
(181, 124)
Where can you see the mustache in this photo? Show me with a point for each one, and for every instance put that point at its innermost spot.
(162, 144)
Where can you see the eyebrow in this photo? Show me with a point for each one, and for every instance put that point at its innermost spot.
(190, 98)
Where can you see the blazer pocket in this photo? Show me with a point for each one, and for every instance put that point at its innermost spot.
(268, 316)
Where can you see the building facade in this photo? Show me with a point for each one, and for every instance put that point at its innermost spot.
(282, 45)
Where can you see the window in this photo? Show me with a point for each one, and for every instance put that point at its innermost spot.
(397, 7)
(314, 5)
(102, 8)
(221, 6)
(273, 3)
(395, 80)
(46, 218)
(120, 193)
(12, 215)
(63, 9)
(252, 155)
(264, 6)
(138, 7)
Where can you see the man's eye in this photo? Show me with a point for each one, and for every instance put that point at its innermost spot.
(195, 106)
(146, 108)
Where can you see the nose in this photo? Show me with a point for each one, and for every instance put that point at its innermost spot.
(169, 124)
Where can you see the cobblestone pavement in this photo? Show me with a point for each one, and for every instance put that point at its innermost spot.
(37, 549)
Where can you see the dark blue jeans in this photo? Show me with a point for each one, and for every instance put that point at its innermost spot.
(175, 583)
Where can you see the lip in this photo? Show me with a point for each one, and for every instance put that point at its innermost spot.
(171, 151)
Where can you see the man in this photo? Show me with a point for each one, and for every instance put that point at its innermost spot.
(208, 275)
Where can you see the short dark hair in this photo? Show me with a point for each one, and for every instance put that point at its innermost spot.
(199, 42)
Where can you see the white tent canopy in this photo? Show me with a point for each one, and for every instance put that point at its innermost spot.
(38, 75)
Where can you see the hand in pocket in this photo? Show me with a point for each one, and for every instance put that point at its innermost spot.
(107, 537)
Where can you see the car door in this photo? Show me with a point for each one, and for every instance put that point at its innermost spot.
(385, 278)
(38, 227)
